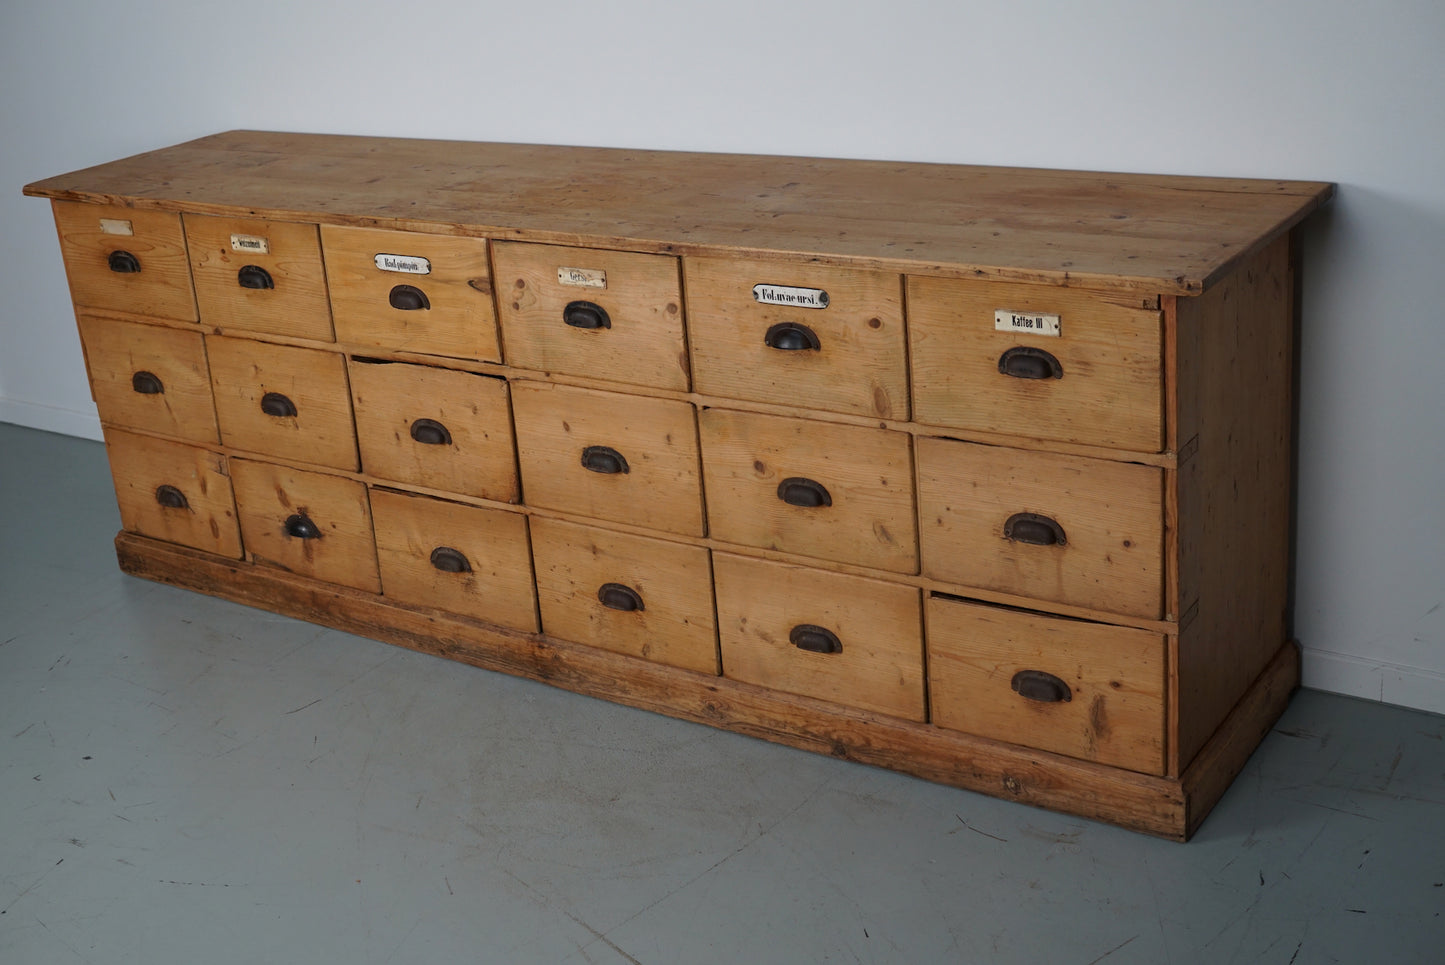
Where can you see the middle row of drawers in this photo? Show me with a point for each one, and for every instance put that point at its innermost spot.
(1065, 529)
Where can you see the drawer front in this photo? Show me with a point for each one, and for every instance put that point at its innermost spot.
(1096, 382)
(777, 624)
(437, 428)
(283, 401)
(411, 292)
(462, 559)
(609, 456)
(125, 259)
(174, 492)
(1087, 690)
(831, 492)
(613, 315)
(1067, 529)
(151, 378)
(259, 276)
(846, 357)
(629, 594)
(307, 522)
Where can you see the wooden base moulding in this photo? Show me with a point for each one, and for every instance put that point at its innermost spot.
(1166, 807)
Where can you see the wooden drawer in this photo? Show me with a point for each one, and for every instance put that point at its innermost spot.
(831, 492)
(608, 456)
(283, 401)
(437, 428)
(151, 378)
(1097, 382)
(844, 355)
(1087, 690)
(777, 622)
(462, 559)
(306, 522)
(254, 275)
(630, 594)
(1067, 529)
(126, 259)
(614, 315)
(411, 292)
(174, 492)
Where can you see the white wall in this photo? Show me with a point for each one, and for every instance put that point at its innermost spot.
(1315, 89)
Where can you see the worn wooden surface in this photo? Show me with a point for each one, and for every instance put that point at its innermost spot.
(116, 352)
(298, 305)
(1154, 233)
(645, 343)
(461, 320)
(141, 465)
(162, 287)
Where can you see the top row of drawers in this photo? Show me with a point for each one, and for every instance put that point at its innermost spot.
(1027, 360)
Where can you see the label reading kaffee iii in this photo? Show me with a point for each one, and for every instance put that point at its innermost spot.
(406, 264)
(1028, 323)
(582, 277)
(790, 296)
(253, 243)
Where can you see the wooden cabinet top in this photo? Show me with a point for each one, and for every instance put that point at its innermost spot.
(1153, 234)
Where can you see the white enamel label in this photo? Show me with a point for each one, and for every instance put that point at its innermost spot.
(115, 226)
(792, 297)
(582, 277)
(251, 243)
(1007, 321)
(406, 264)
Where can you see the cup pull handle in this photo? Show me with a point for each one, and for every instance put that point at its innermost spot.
(1041, 686)
(171, 498)
(604, 459)
(300, 526)
(123, 262)
(792, 337)
(815, 639)
(408, 298)
(1034, 529)
(278, 405)
(615, 596)
(147, 383)
(429, 432)
(808, 493)
(1027, 362)
(448, 560)
(254, 277)
(586, 315)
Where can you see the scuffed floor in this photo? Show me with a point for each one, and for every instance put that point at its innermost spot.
(184, 780)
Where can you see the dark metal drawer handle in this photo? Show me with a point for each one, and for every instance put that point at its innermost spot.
(815, 639)
(1034, 529)
(798, 491)
(586, 315)
(254, 277)
(276, 404)
(604, 459)
(615, 596)
(792, 337)
(123, 263)
(300, 526)
(449, 560)
(1043, 687)
(147, 383)
(171, 498)
(429, 432)
(1026, 362)
(408, 299)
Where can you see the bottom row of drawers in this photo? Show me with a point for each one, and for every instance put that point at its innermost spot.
(1089, 690)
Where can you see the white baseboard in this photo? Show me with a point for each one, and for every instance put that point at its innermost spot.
(47, 418)
(1389, 683)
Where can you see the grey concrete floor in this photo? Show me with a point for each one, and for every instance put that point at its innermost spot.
(185, 780)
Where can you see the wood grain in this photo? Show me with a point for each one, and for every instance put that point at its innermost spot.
(140, 466)
(1152, 233)
(644, 343)
(298, 304)
(116, 352)
(161, 288)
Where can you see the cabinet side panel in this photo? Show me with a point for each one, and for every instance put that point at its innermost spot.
(1234, 491)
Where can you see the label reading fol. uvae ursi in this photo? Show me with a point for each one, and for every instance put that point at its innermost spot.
(792, 297)
(1030, 324)
(252, 243)
(582, 277)
(406, 264)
